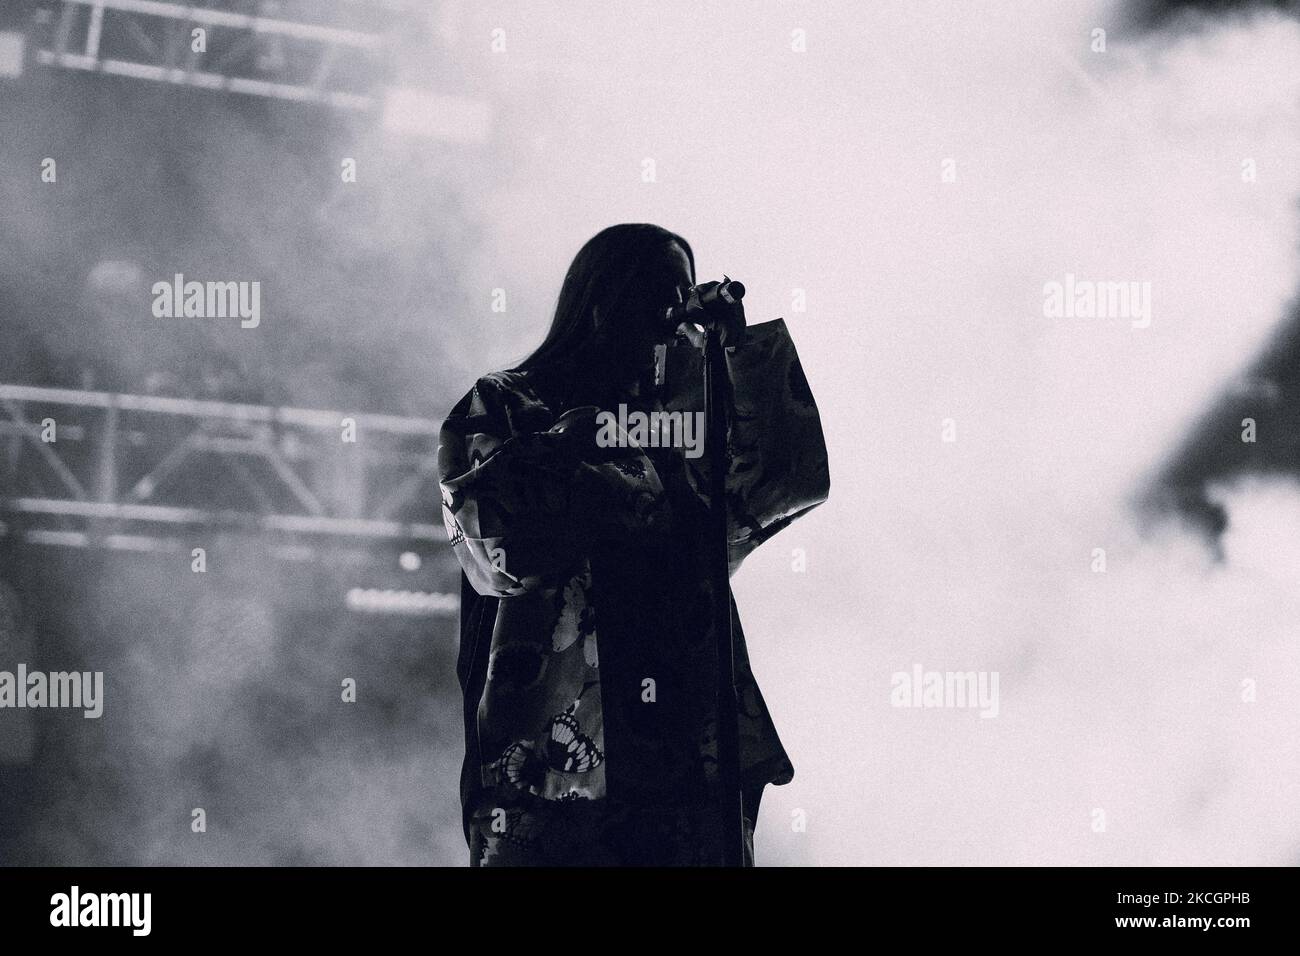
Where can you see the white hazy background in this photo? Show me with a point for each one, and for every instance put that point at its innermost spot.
(1120, 692)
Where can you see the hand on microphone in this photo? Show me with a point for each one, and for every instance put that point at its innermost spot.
(730, 323)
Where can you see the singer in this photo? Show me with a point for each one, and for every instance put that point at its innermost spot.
(586, 654)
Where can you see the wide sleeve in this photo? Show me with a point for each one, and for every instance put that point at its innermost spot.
(524, 495)
(777, 460)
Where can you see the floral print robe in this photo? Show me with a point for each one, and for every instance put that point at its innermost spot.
(586, 655)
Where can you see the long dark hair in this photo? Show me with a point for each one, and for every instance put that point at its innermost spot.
(599, 277)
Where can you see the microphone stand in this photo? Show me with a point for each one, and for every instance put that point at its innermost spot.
(718, 562)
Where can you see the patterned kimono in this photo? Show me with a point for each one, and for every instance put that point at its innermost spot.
(586, 656)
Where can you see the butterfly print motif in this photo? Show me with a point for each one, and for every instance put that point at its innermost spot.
(567, 750)
(522, 767)
(454, 533)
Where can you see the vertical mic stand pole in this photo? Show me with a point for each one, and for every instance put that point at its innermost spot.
(715, 439)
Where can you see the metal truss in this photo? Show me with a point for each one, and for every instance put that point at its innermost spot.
(137, 472)
(254, 54)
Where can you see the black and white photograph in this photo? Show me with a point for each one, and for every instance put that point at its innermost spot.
(646, 437)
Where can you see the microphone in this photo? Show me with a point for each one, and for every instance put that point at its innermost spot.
(706, 303)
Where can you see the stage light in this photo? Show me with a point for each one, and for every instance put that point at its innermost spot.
(11, 54)
(388, 601)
